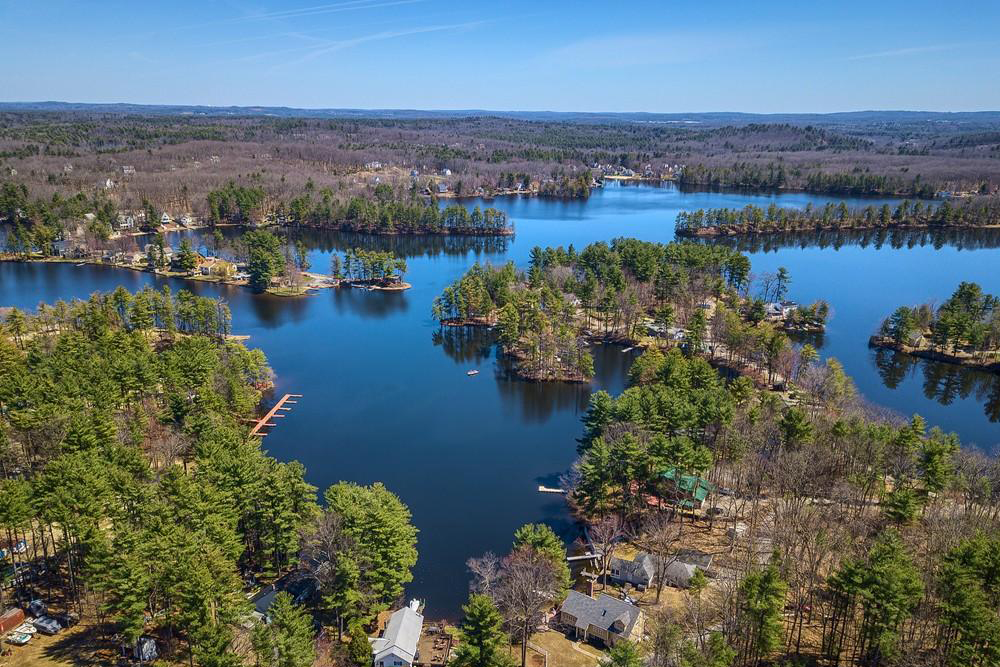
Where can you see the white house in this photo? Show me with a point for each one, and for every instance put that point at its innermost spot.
(126, 221)
(397, 647)
(446, 172)
(128, 170)
(165, 219)
(780, 311)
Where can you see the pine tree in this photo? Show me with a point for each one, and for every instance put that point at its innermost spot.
(483, 641)
(542, 539)
(380, 526)
(624, 654)
(359, 650)
(287, 640)
(762, 599)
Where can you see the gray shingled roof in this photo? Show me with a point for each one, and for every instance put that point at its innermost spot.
(602, 612)
(640, 569)
(401, 635)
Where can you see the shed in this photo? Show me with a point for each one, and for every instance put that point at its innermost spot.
(678, 574)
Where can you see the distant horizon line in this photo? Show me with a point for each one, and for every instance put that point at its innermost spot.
(475, 110)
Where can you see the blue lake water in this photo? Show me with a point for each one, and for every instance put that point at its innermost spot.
(386, 396)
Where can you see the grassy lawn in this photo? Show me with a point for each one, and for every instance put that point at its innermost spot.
(563, 652)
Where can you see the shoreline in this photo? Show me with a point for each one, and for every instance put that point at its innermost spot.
(884, 343)
(729, 232)
(320, 281)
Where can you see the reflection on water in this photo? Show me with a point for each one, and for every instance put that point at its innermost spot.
(367, 303)
(465, 345)
(403, 245)
(959, 238)
(538, 401)
(387, 398)
(942, 382)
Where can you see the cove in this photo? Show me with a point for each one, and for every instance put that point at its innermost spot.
(385, 391)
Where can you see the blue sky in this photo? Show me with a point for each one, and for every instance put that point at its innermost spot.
(666, 56)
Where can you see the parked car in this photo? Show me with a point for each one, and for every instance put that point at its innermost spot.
(20, 547)
(47, 625)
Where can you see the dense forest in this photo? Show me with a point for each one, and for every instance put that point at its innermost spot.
(976, 212)
(965, 328)
(774, 176)
(841, 536)
(128, 470)
(173, 161)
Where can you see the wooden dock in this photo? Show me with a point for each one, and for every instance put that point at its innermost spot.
(276, 412)
(549, 489)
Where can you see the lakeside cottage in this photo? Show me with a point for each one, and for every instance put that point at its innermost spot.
(639, 572)
(604, 618)
(780, 311)
(687, 491)
(397, 647)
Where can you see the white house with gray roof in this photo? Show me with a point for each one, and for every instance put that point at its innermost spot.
(605, 618)
(397, 647)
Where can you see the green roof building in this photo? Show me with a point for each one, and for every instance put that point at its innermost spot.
(689, 491)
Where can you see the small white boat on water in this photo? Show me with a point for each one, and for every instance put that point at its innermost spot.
(627, 349)
(472, 372)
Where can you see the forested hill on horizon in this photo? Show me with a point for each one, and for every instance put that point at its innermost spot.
(706, 118)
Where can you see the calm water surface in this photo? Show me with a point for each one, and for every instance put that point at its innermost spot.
(386, 396)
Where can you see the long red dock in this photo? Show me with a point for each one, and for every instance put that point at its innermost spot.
(274, 413)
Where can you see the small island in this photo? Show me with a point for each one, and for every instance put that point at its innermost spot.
(964, 330)
(977, 212)
(265, 263)
(635, 293)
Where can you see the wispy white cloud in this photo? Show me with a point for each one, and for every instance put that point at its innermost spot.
(284, 15)
(332, 8)
(665, 48)
(913, 50)
(320, 47)
(379, 36)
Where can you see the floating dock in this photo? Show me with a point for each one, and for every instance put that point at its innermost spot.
(549, 489)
